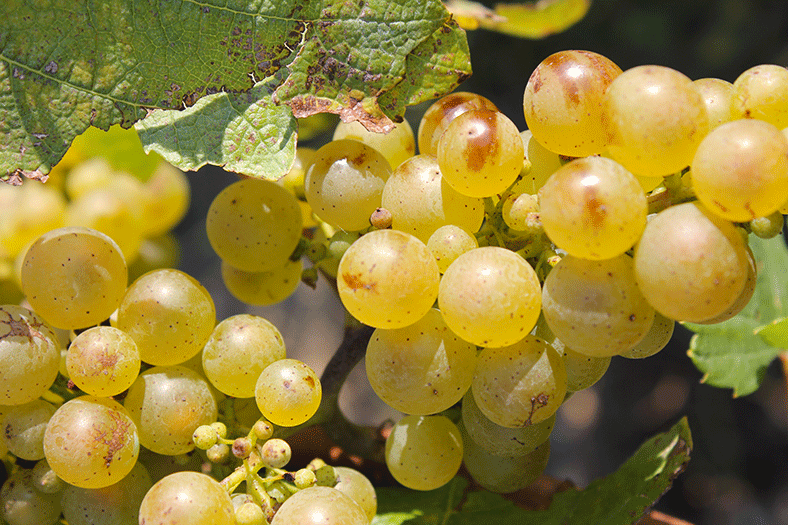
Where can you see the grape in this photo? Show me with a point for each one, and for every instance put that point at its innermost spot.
(593, 208)
(595, 307)
(768, 226)
(320, 506)
(187, 498)
(422, 368)
(117, 504)
(275, 453)
(480, 153)
(263, 288)
(761, 92)
(288, 392)
(563, 102)
(23, 429)
(521, 384)
(74, 277)
(717, 95)
(239, 349)
(103, 361)
(91, 442)
(250, 513)
(542, 164)
(490, 296)
(22, 504)
(744, 297)
(167, 196)
(396, 146)
(45, 480)
(169, 314)
(504, 474)
(656, 119)
(449, 242)
(440, 114)
(520, 211)
(29, 355)
(740, 170)
(655, 340)
(424, 452)
(388, 279)
(254, 225)
(359, 487)
(155, 253)
(168, 403)
(583, 371)
(28, 212)
(421, 201)
(345, 182)
(88, 175)
(498, 440)
(690, 264)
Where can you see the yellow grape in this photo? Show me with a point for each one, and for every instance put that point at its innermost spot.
(288, 392)
(440, 114)
(761, 93)
(263, 288)
(449, 242)
(717, 95)
(103, 361)
(187, 498)
(396, 146)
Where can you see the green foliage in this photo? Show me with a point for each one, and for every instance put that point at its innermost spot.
(735, 354)
(618, 499)
(70, 64)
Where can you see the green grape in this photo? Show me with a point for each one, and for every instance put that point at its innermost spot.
(187, 498)
(22, 504)
(449, 242)
(520, 211)
(74, 277)
(103, 361)
(275, 453)
(717, 95)
(304, 478)
(159, 466)
(424, 452)
(396, 146)
(239, 349)
(263, 288)
(440, 114)
(345, 182)
(740, 170)
(91, 442)
(167, 196)
(521, 384)
(46, 480)
(480, 153)
(169, 314)
(388, 279)
(168, 403)
(498, 440)
(288, 392)
(490, 296)
(254, 225)
(320, 506)
(563, 102)
(595, 307)
(423, 368)
(504, 474)
(655, 340)
(340, 242)
(690, 264)
(656, 117)
(204, 437)
(542, 164)
(250, 513)
(359, 487)
(117, 504)
(163, 251)
(583, 371)
(768, 226)
(29, 211)
(23, 429)
(593, 208)
(761, 93)
(421, 201)
(29, 355)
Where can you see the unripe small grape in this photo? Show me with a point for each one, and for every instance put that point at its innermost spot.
(275, 453)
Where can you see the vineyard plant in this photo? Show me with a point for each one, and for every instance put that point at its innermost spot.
(352, 262)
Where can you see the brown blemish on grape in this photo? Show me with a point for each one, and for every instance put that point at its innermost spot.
(310, 381)
(118, 437)
(596, 212)
(482, 146)
(354, 282)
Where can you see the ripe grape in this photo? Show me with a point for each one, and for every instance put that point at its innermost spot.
(422, 368)
(490, 296)
(717, 95)
(359, 487)
(542, 163)
(29, 211)
(440, 114)
(521, 384)
(745, 295)
(583, 371)
(263, 288)
(655, 340)
(254, 225)
(91, 442)
(167, 196)
(424, 452)
(288, 392)
(238, 350)
(320, 506)
(22, 504)
(449, 242)
(103, 361)
(761, 92)
(74, 277)
(396, 146)
(388, 279)
(22, 429)
(187, 498)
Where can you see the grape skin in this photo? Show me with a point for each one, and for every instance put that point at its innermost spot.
(440, 114)
(359, 487)
(103, 361)
(23, 429)
(263, 288)
(288, 392)
(22, 504)
(187, 498)
(320, 506)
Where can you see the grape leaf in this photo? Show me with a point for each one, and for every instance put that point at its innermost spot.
(530, 20)
(618, 499)
(775, 334)
(70, 64)
(731, 354)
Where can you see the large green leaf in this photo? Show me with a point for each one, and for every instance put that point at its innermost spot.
(69, 64)
(732, 354)
(618, 499)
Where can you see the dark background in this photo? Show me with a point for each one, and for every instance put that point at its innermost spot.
(738, 473)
